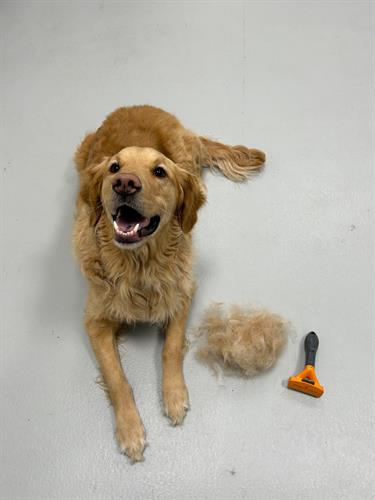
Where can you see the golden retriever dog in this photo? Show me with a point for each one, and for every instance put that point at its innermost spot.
(140, 191)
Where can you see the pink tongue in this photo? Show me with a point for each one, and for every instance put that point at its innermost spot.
(125, 226)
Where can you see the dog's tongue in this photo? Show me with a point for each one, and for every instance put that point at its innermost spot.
(125, 225)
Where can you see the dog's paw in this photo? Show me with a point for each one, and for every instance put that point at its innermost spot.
(176, 403)
(131, 437)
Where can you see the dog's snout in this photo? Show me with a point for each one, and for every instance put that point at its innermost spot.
(126, 184)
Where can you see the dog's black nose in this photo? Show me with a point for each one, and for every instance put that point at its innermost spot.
(126, 184)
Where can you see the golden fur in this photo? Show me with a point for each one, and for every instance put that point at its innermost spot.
(152, 280)
(244, 341)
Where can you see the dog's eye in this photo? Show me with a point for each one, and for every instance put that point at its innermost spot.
(115, 167)
(159, 172)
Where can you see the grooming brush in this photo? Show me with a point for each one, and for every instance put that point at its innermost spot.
(306, 381)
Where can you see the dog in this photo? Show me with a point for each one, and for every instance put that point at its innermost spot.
(140, 189)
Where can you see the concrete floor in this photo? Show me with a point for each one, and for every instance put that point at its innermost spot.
(295, 79)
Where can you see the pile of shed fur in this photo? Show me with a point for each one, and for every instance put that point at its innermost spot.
(244, 340)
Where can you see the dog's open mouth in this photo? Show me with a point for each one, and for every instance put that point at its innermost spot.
(130, 226)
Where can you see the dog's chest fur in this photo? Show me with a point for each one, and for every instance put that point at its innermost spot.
(150, 284)
(152, 294)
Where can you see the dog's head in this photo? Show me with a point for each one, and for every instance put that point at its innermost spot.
(140, 191)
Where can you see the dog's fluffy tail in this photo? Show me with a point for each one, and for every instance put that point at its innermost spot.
(83, 151)
(235, 162)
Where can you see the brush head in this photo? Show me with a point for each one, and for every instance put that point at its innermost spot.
(297, 384)
(306, 382)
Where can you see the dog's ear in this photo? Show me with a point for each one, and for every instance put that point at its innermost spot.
(191, 197)
(91, 179)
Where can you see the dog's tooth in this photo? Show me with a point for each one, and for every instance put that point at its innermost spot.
(130, 233)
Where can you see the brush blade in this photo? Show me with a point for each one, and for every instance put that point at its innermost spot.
(297, 384)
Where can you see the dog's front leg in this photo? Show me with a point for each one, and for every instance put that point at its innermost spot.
(129, 428)
(175, 394)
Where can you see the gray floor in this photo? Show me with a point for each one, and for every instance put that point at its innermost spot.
(295, 79)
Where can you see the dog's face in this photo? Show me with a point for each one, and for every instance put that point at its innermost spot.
(140, 191)
(139, 194)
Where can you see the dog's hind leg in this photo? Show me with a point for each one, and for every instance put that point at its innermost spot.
(235, 162)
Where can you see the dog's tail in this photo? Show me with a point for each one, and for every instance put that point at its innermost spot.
(235, 162)
(83, 151)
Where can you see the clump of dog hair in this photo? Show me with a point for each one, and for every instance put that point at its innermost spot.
(245, 341)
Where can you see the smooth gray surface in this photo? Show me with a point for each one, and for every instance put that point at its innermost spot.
(295, 79)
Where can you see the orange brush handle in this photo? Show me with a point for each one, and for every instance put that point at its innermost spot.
(307, 381)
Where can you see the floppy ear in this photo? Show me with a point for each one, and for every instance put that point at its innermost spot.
(90, 189)
(192, 197)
